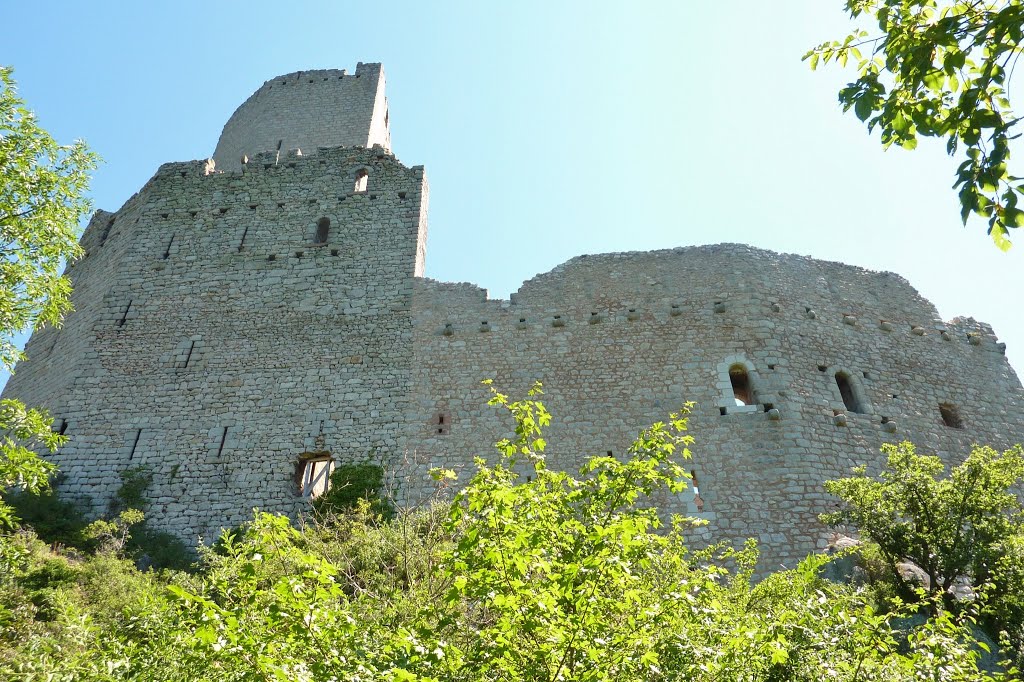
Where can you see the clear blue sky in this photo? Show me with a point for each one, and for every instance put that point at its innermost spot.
(548, 129)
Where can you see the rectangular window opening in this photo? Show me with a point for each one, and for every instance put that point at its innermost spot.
(951, 416)
(315, 476)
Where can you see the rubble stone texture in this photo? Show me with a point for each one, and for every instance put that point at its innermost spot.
(220, 336)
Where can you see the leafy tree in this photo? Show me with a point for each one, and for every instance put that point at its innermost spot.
(20, 430)
(941, 68)
(42, 200)
(967, 525)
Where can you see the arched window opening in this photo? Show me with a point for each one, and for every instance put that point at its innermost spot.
(361, 176)
(741, 388)
(847, 392)
(323, 227)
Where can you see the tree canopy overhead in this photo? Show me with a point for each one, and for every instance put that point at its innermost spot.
(941, 68)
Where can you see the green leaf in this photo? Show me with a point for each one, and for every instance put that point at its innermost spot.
(934, 80)
(862, 107)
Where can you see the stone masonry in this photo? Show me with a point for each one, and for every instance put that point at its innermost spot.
(239, 316)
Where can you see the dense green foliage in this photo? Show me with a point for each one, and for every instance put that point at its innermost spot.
(542, 577)
(21, 431)
(964, 527)
(351, 483)
(42, 201)
(942, 68)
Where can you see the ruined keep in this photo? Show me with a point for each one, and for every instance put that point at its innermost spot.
(243, 322)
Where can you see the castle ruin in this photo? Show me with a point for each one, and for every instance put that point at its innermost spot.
(243, 324)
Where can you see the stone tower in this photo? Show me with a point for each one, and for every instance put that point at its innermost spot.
(307, 110)
(227, 322)
(241, 324)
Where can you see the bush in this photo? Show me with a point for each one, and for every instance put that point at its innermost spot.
(967, 525)
(560, 576)
(351, 483)
(55, 521)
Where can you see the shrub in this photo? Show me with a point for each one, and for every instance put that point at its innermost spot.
(351, 483)
(56, 521)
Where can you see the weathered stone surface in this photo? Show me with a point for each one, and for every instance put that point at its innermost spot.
(914, 574)
(218, 337)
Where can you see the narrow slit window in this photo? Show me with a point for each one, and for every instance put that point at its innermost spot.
(698, 501)
(167, 251)
(741, 388)
(223, 441)
(847, 392)
(135, 444)
(951, 416)
(124, 315)
(361, 179)
(323, 228)
(188, 356)
(442, 422)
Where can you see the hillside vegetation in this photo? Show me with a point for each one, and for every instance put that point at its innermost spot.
(547, 577)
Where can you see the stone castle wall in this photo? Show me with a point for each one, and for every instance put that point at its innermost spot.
(620, 340)
(219, 338)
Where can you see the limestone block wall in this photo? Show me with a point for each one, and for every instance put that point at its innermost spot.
(620, 340)
(306, 110)
(223, 343)
(58, 356)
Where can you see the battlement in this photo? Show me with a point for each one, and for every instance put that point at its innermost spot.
(308, 109)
